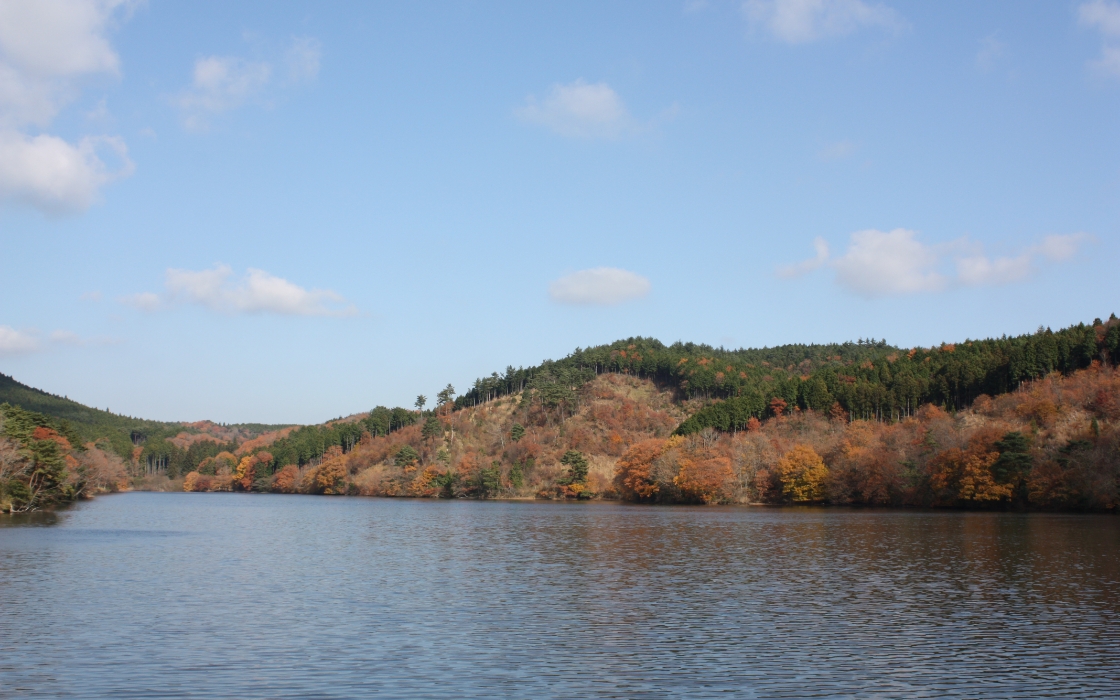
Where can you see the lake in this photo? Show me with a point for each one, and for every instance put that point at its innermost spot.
(252, 595)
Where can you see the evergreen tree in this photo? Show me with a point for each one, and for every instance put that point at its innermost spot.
(432, 428)
(577, 467)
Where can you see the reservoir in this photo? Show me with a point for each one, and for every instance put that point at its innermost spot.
(269, 596)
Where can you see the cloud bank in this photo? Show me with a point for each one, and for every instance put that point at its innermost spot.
(48, 49)
(805, 21)
(601, 286)
(895, 263)
(580, 110)
(255, 292)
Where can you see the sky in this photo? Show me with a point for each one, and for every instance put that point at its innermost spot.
(290, 211)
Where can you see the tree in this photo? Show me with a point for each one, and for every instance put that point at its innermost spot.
(245, 472)
(420, 401)
(966, 476)
(817, 396)
(490, 480)
(1014, 462)
(330, 477)
(446, 396)
(517, 432)
(406, 456)
(634, 471)
(704, 479)
(285, 480)
(517, 475)
(432, 428)
(577, 467)
(802, 473)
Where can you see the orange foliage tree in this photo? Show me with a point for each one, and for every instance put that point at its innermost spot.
(331, 477)
(704, 479)
(957, 475)
(284, 480)
(633, 472)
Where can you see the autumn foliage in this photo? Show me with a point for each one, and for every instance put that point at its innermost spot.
(1053, 443)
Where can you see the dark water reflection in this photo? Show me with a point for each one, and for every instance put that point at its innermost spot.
(223, 595)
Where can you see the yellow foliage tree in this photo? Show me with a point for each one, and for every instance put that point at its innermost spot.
(803, 474)
(246, 469)
(330, 477)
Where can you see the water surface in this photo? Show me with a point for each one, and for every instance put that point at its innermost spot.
(244, 596)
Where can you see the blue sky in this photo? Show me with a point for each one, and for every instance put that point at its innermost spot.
(286, 212)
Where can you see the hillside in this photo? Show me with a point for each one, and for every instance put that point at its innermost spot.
(122, 434)
(1029, 421)
(571, 429)
(1053, 444)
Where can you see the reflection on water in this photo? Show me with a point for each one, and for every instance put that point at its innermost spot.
(227, 595)
(33, 519)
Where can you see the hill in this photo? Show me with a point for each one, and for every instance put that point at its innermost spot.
(856, 423)
(1027, 421)
(121, 433)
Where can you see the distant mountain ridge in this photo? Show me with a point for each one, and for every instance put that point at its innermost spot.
(122, 433)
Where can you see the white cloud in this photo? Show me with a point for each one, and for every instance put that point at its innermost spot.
(888, 263)
(806, 266)
(601, 286)
(895, 263)
(1101, 14)
(255, 292)
(48, 49)
(56, 176)
(979, 270)
(13, 342)
(44, 46)
(804, 21)
(144, 301)
(1061, 247)
(223, 83)
(303, 60)
(580, 110)
(1104, 16)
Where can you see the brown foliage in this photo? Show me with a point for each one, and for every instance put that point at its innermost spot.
(286, 480)
(963, 476)
(704, 478)
(331, 477)
(102, 471)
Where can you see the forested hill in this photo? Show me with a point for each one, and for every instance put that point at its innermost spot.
(121, 433)
(865, 379)
(595, 422)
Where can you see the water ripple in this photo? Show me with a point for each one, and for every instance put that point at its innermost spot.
(227, 595)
